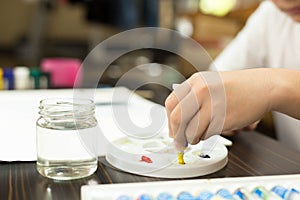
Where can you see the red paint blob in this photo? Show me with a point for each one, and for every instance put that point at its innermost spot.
(146, 159)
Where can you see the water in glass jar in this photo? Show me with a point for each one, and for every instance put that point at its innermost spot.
(66, 154)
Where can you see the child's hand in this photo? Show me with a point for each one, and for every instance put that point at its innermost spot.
(210, 103)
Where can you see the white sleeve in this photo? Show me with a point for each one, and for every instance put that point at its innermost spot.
(247, 49)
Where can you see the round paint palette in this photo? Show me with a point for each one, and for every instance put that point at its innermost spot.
(158, 158)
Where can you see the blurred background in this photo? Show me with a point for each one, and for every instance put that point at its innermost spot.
(35, 31)
(47, 40)
(32, 30)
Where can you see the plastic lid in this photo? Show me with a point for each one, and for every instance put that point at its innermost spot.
(21, 71)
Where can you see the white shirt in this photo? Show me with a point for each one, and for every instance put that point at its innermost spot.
(270, 38)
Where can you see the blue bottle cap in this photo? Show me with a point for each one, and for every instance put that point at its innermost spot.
(124, 197)
(165, 196)
(243, 194)
(280, 191)
(224, 193)
(145, 197)
(205, 195)
(185, 196)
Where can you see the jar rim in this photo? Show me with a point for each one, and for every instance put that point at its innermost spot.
(67, 107)
(67, 101)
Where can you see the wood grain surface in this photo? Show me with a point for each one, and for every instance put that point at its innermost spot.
(252, 154)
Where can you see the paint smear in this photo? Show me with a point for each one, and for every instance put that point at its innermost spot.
(146, 159)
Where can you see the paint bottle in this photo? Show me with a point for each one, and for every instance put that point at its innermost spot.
(21, 78)
(45, 80)
(35, 75)
(8, 79)
(1, 79)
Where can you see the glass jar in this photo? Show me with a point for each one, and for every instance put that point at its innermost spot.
(66, 132)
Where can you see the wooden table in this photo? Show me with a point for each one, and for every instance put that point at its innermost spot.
(252, 154)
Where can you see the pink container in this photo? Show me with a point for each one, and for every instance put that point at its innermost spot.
(63, 71)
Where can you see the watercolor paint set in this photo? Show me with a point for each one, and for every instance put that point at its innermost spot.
(277, 187)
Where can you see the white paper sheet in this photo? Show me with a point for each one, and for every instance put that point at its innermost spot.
(19, 112)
